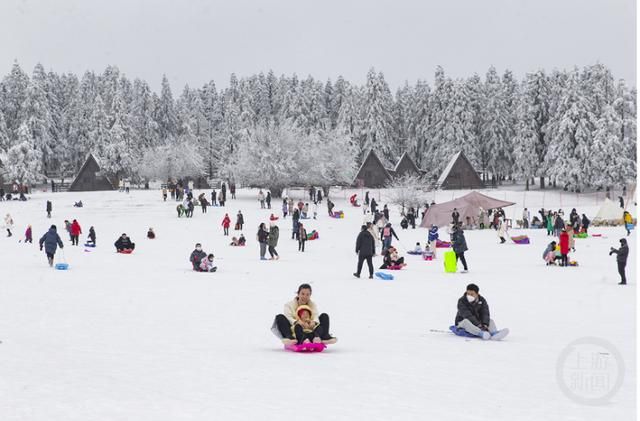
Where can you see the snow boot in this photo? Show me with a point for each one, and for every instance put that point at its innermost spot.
(50, 262)
(357, 276)
(499, 335)
(485, 335)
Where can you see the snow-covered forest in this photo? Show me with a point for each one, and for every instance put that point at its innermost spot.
(575, 127)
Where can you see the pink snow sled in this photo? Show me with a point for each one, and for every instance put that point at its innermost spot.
(309, 347)
(443, 244)
(338, 215)
(394, 267)
(520, 239)
(125, 251)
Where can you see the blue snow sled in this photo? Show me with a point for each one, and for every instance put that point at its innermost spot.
(89, 245)
(62, 266)
(458, 331)
(384, 276)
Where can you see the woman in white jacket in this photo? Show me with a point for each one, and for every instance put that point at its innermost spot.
(8, 224)
(502, 230)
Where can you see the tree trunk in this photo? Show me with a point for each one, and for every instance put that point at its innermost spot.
(276, 191)
(527, 185)
(541, 183)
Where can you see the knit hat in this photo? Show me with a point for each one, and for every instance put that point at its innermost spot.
(302, 308)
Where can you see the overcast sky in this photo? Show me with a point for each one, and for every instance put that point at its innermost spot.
(194, 41)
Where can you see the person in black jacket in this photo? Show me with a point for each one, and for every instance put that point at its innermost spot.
(622, 254)
(263, 239)
(459, 245)
(49, 208)
(366, 248)
(196, 257)
(124, 243)
(585, 223)
(455, 216)
(51, 241)
(474, 317)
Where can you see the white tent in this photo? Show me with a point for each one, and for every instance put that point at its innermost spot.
(610, 213)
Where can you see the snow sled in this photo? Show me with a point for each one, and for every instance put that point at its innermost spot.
(496, 336)
(384, 276)
(450, 263)
(395, 267)
(629, 227)
(310, 347)
(428, 257)
(573, 263)
(596, 235)
(520, 239)
(125, 251)
(414, 253)
(458, 331)
(443, 244)
(62, 266)
(581, 235)
(313, 235)
(89, 245)
(338, 215)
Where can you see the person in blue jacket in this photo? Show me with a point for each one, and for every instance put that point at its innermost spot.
(51, 240)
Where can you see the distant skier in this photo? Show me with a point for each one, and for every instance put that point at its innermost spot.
(474, 317)
(621, 257)
(51, 241)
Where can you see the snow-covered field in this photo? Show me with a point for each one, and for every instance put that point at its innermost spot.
(142, 337)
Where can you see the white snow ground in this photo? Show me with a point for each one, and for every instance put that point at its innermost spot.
(142, 337)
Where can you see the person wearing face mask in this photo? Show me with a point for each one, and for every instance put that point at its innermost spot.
(473, 316)
(282, 324)
(196, 257)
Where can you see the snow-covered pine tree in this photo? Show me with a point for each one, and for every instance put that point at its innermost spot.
(609, 165)
(13, 94)
(37, 116)
(23, 161)
(165, 115)
(493, 144)
(571, 133)
(625, 107)
(378, 118)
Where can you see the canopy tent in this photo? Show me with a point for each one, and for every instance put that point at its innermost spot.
(610, 212)
(467, 205)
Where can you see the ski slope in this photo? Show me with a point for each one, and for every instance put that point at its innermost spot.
(142, 337)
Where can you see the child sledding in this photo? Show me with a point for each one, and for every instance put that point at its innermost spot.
(124, 245)
(392, 260)
(354, 201)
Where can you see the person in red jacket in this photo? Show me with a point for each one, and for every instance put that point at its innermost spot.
(564, 248)
(75, 232)
(225, 223)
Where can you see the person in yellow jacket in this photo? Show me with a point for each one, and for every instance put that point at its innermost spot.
(282, 325)
(628, 221)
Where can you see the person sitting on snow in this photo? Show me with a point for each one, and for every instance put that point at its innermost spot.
(196, 257)
(282, 325)
(392, 259)
(150, 234)
(473, 315)
(429, 251)
(418, 248)
(305, 329)
(124, 243)
(206, 264)
(238, 241)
